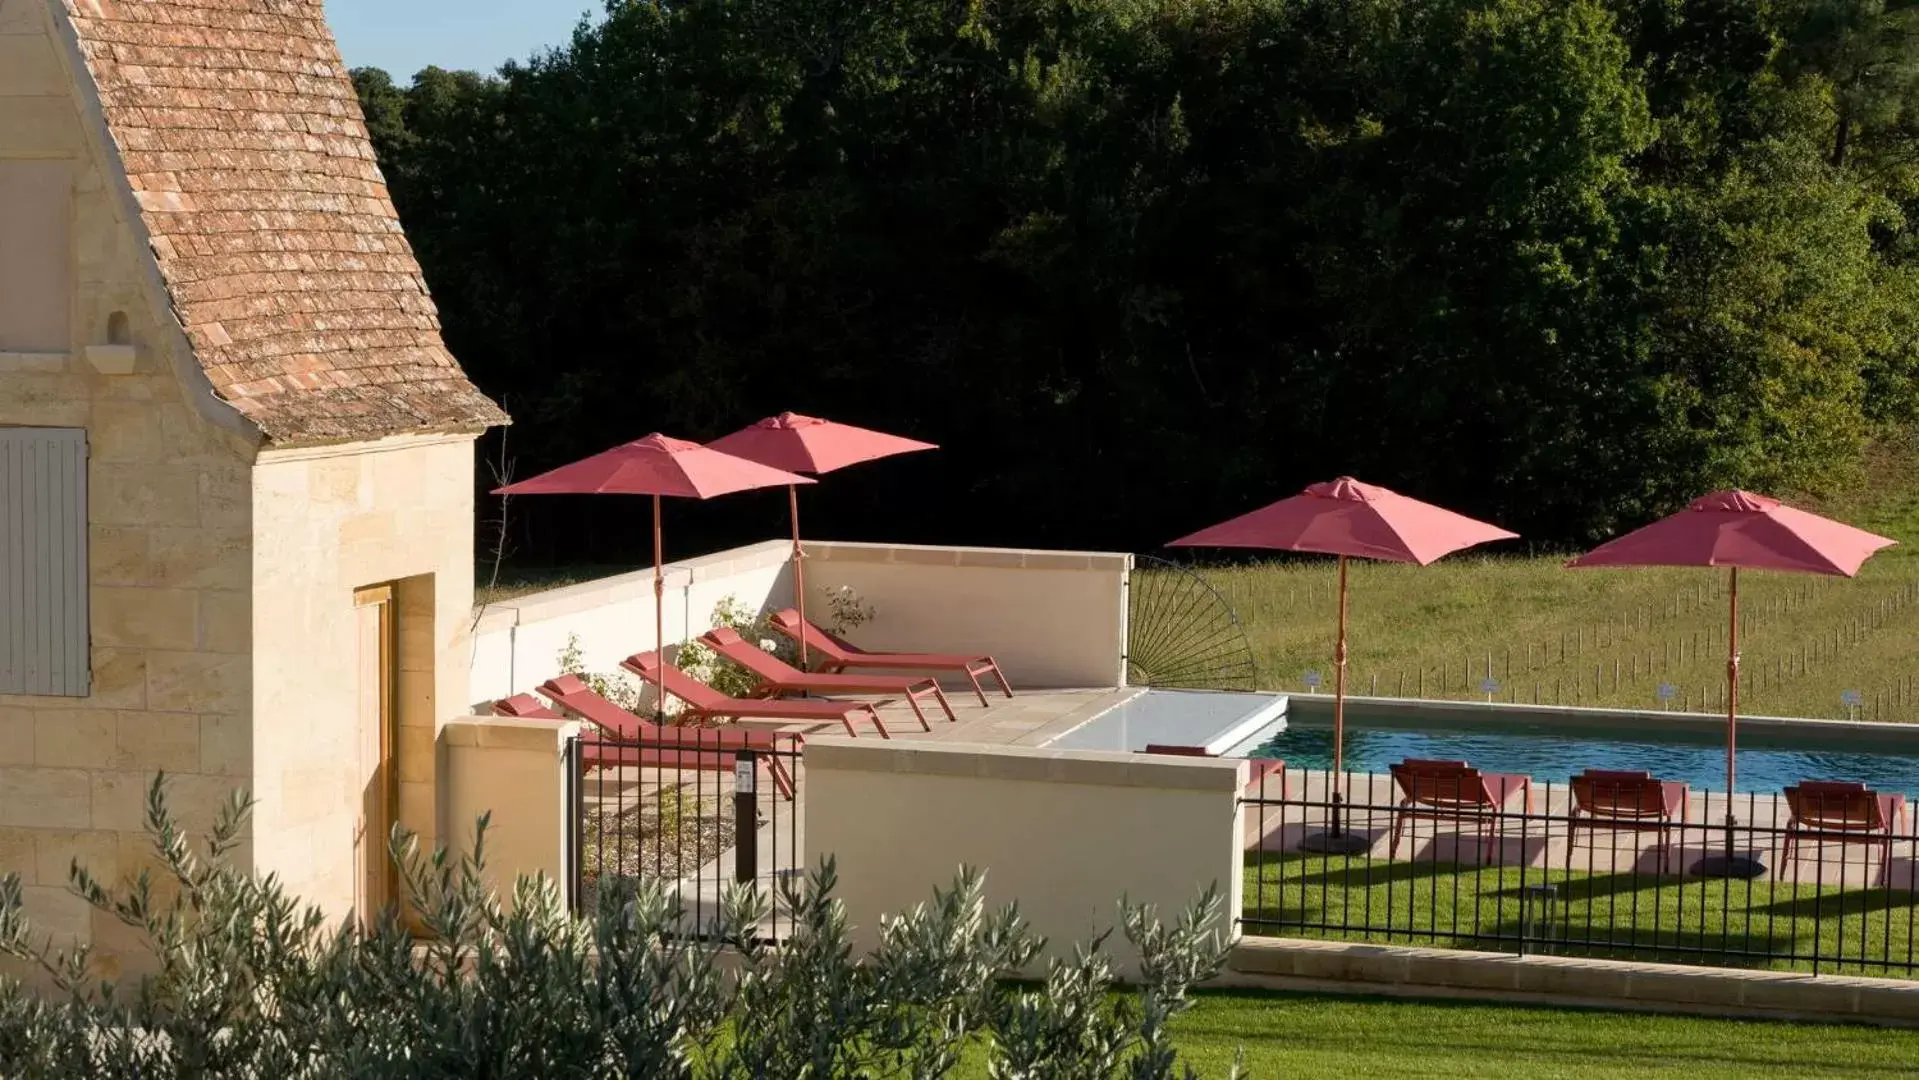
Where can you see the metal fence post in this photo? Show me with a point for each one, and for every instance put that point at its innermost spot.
(746, 825)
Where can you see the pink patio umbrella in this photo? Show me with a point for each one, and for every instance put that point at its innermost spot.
(658, 466)
(1346, 518)
(807, 444)
(1738, 529)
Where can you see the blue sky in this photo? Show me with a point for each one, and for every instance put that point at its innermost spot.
(404, 36)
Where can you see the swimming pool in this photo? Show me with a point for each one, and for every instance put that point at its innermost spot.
(1217, 721)
(1771, 756)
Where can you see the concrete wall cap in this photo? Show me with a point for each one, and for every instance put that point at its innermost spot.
(982, 557)
(508, 733)
(1624, 983)
(1034, 764)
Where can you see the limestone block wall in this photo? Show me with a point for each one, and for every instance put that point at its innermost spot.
(328, 521)
(170, 520)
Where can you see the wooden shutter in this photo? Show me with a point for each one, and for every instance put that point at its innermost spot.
(43, 561)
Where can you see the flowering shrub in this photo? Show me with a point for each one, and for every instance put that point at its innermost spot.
(709, 667)
(250, 982)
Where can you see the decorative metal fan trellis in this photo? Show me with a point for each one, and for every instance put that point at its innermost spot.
(1180, 632)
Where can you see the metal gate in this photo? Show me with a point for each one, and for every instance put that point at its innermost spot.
(695, 809)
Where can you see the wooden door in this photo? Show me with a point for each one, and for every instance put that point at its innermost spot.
(374, 741)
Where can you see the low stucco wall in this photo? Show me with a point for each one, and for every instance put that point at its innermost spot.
(512, 768)
(1347, 967)
(1051, 618)
(517, 642)
(1065, 833)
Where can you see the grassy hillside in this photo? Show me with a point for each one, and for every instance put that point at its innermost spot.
(1611, 637)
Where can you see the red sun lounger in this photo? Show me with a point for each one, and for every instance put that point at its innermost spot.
(525, 707)
(837, 655)
(633, 741)
(1624, 801)
(1453, 791)
(705, 703)
(779, 677)
(1256, 774)
(1843, 812)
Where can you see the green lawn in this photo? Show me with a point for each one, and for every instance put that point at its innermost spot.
(1608, 637)
(1351, 1038)
(1419, 903)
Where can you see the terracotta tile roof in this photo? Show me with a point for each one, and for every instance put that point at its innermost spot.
(247, 153)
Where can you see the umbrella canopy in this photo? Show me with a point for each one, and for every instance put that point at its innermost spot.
(655, 465)
(809, 444)
(1738, 529)
(1346, 518)
(661, 467)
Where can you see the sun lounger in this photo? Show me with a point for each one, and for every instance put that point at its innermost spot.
(1621, 801)
(779, 677)
(837, 655)
(1256, 775)
(525, 707)
(705, 703)
(1843, 812)
(630, 740)
(1454, 791)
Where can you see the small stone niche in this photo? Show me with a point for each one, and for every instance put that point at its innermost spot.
(116, 357)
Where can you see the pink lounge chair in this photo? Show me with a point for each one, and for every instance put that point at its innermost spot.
(1843, 812)
(526, 707)
(1623, 801)
(1255, 776)
(837, 655)
(634, 741)
(1454, 791)
(705, 703)
(779, 677)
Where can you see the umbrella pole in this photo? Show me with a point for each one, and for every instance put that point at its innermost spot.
(1730, 864)
(659, 618)
(1336, 840)
(799, 567)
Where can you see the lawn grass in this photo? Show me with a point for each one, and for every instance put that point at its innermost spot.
(1608, 637)
(1299, 1036)
(1859, 931)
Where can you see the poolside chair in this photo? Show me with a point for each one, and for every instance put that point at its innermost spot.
(1454, 791)
(705, 703)
(838, 655)
(1255, 776)
(525, 707)
(634, 741)
(779, 677)
(1843, 812)
(1624, 801)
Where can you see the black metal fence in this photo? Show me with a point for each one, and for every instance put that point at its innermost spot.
(1622, 869)
(695, 809)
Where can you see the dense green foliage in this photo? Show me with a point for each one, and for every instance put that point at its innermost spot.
(1560, 262)
(247, 981)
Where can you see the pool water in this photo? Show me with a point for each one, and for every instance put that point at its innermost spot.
(1556, 752)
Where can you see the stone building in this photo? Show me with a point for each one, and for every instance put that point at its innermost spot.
(236, 462)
